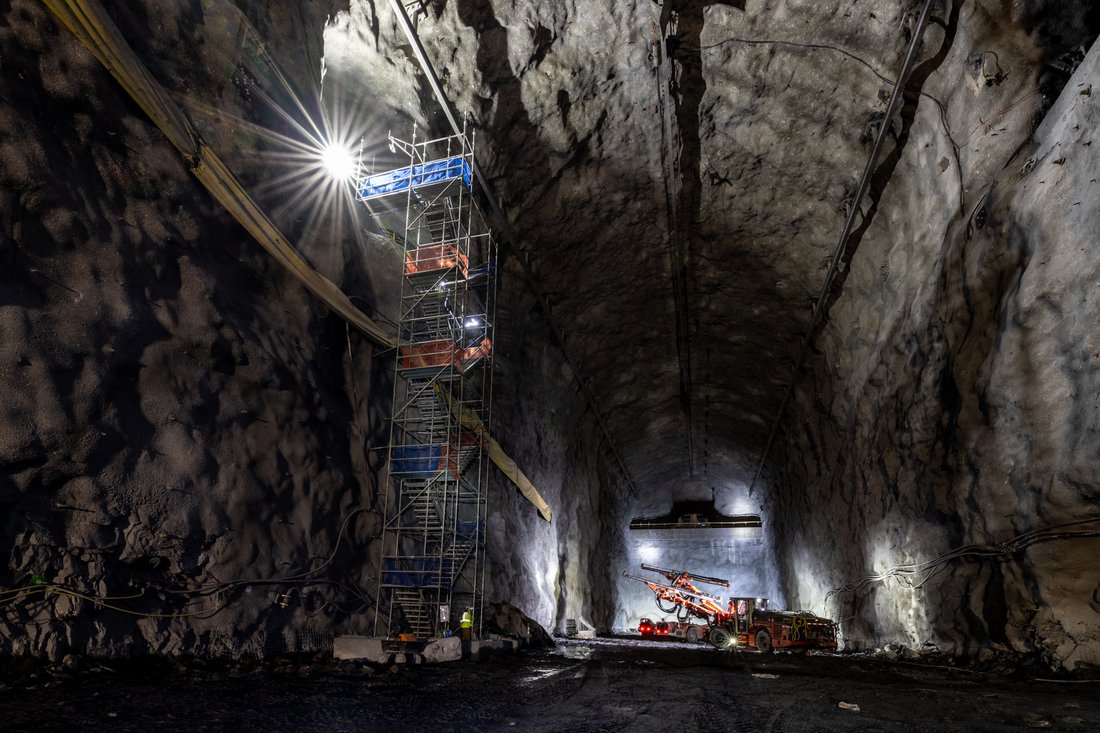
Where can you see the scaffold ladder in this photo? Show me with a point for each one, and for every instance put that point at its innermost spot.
(433, 542)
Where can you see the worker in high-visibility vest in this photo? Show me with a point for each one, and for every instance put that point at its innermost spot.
(466, 624)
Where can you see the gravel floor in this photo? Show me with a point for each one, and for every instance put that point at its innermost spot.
(602, 685)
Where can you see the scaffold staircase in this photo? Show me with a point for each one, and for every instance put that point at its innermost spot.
(433, 544)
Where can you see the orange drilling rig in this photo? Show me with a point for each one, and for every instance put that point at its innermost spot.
(740, 621)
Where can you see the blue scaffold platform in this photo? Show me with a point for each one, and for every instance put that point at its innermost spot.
(427, 179)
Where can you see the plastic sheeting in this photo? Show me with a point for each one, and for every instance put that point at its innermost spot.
(517, 477)
(429, 572)
(420, 572)
(438, 354)
(441, 354)
(432, 458)
(401, 179)
(472, 422)
(418, 459)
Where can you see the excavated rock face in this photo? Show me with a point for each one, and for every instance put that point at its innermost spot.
(677, 176)
(978, 425)
(177, 412)
(186, 432)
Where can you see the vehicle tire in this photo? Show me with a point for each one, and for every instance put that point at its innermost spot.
(692, 635)
(763, 641)
(720, 637)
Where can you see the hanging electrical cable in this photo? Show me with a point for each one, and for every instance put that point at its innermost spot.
(91, 24)
(849, 222)
(46, 590)
(916, 575)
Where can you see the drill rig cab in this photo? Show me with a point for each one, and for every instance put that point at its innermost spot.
(748, 622)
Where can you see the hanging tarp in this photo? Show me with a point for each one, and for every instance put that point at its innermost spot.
(517, 477)
(437, 354)
(417, 572)
(418, 459)
(430, 459)
(435, 257)
(472, 422)
(417, 176)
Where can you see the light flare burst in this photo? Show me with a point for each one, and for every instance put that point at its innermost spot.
(306, 177)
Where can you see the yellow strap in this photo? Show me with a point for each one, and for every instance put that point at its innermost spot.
(798, 628)
(90, 23)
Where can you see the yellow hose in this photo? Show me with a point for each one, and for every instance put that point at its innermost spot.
(90, 23)
(470, 421)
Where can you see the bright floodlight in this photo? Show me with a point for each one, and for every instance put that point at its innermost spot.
(338, 161)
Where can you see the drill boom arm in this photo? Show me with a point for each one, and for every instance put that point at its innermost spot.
(656, 587)
(674, 574)
(681, 592)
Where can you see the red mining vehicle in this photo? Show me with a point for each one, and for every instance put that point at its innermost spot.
(742, 621)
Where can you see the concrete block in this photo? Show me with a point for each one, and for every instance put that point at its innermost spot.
(581, 629)
(483, 649)
(360, 647)
(443, 650)
(408, 658)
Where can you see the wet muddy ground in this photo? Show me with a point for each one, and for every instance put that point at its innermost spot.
(602, 685)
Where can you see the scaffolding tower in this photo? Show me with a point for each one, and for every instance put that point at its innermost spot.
(433, 541)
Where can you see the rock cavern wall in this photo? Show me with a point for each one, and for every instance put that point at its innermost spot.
(952, 398)
(569, 97)
(562, 570)
(773, 108)
(179, 413)
(553, 572)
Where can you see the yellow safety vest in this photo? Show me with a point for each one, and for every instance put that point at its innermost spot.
(467, 620)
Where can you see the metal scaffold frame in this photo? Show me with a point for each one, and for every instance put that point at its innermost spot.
(433, 541)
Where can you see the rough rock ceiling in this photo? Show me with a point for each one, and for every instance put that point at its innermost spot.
(679, 173)
(679, 192)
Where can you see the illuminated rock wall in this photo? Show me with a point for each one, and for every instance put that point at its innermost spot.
(179, 411)
(185, 429)
(955, 399)
(182, 423)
